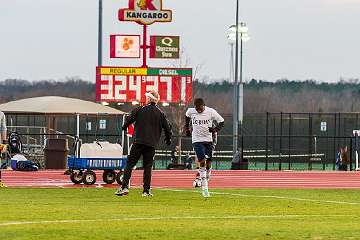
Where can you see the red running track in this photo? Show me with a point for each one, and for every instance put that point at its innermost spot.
(184, 179)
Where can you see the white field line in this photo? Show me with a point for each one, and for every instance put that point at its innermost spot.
(266, 196)
(168, 218)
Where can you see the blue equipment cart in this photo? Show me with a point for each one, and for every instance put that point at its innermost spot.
(82, 169)
(82, 164)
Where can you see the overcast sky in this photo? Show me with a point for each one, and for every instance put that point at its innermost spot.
(294, 39)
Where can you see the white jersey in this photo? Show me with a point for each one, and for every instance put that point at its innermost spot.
(201, 123)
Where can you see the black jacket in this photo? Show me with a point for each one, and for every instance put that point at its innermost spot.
(149, 121)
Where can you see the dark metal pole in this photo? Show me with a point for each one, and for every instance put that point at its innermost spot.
(335, 148)
(310, 142)
(289, 144)
(266, 141)
(240, 96)
(100, 34)
(351, 153)
(281, 133)
(235, 140)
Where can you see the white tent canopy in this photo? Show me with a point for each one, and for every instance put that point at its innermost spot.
(54, 105)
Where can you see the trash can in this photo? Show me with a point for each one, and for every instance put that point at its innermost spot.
(244, 164)
(55, 153)
(235, 163)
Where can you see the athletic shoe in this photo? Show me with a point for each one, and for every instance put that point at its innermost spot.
(122, 192)
(204, 188)
(205, 193)
(147, 194)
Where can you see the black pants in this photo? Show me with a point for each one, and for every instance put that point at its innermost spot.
(148, 154)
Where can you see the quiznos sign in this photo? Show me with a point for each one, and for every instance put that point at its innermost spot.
(164, 46)
(145, 12)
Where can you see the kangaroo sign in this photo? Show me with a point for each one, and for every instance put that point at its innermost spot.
(145, 12)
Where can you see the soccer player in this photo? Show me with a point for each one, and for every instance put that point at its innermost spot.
(202, 119)
(149, 122)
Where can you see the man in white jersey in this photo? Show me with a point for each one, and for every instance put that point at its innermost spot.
(202, 119)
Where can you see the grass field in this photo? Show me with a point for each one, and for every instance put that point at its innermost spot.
(96, 213)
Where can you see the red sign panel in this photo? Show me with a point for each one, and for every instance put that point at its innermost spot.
(120, 84)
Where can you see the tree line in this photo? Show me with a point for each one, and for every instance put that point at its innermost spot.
(259, 96)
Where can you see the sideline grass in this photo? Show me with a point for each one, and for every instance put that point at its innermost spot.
(236, 214)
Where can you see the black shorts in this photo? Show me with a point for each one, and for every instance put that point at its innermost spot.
(203, 150)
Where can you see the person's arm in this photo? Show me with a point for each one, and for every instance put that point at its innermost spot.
(214, 139)
(219, 120)
(187, 123)
(167, 128)
(130, 119)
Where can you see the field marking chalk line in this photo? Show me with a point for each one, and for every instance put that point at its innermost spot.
(14, 223)
(264, 196)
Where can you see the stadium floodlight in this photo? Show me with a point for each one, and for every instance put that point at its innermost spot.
(245, 37)
(235, 33)
(242, 29)
(232, 28)
(231, 37)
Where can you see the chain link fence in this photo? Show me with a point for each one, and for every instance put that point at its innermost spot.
(269, 141)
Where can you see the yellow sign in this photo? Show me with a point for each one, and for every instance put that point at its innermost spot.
(123, 71)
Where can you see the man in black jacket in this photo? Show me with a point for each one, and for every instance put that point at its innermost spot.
(149, 121)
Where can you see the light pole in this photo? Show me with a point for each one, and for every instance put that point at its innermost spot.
(233, 36)
(236, 103)
(243, 29)
(100, 34)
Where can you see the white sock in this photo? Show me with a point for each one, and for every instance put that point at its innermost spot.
(204, 183)
(198, 174)
(202, 172)
(208, 174)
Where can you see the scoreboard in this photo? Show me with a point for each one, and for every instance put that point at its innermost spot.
(128, 84)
